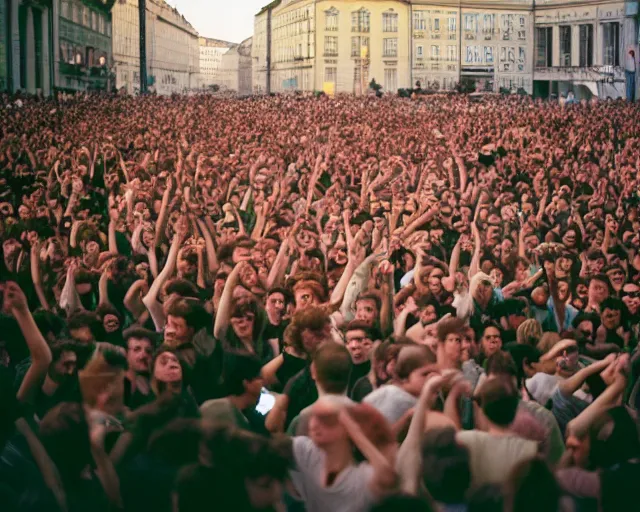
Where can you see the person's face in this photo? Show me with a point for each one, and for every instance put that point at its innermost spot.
(469, 345)
(139, 352)
(409, 261)
(497, 276)
(305, 239)
(563, 291)
(304, 297)
(263, 492)
(483, 292)
(507, 247)
(428, 315)
(452, 346)
(186, 269)
(582, 290)
(241, 254)
(631, 298)
(243, 325)
(248, 277)
(491, 341)
(147, 238)
(532, 241)
(436, 236)
(579, 448)
(176, 330)
(417, 378)
(569, 238)
(275, 307)
(253, 388)
(311, 340)
(359, 346)
(167, 368)
(598, 291)
(586, 329)
(366, 311)
(82, 335)
(522, 272)
(325, 428)
(64, 367)
(617, 278)
(435, 281)
(611, 318)
(111, 323)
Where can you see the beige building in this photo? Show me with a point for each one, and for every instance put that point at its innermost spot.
(236, 71)
(582, 46)
(211, 52)
(173, 50)
(340, 45)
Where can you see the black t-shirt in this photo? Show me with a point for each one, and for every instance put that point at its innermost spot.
(291, 366)
(275, 332)
(358, 371)
(361, 389)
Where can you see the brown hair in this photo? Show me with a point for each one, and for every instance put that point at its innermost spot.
(450, 326)
(411, 358)
(313, 318)
(332, 364)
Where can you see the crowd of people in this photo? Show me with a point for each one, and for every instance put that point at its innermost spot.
(319, 304)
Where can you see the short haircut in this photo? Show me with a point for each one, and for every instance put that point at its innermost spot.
(495, 325)
(243, 306)
(445, 466)
(586, 317)
(313, 318)
(182, 287)
(501, 363)
(358, 325)
(288, 299)
(612, 303)
(60, 346)
(370, 295)
(48, 322)
(450, 326)
(499, 400)
(411, 358)
(239, 367)
(192, 312)
(140, 333)
(332, 363)
(84, 319)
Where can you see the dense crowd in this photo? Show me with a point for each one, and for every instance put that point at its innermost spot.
(297, 303)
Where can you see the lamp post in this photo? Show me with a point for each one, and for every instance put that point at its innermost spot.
(142, 14)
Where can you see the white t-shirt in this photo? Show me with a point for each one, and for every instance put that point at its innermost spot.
(541, 386)
(350, 491)
(392, 402)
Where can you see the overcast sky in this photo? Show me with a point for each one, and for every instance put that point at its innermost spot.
(230, 20)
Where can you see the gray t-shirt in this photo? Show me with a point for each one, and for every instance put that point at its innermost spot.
(392, 401)
(348, 493)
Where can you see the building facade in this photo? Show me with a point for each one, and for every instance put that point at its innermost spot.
(173, 49)
(211, 52)
(583, 46)
(236, 69)
(340, 45)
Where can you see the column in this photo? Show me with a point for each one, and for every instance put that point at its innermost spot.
(46, 71)
(15, 44)
(55, 13)
(31, 53)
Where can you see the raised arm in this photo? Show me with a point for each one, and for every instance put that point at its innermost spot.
(570, 385)
(35, 273)
(15, 302)
(223, 315)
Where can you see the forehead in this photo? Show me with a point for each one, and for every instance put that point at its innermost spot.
(277, 296)
(366, 303)
(491, 331)
(136, 342)
(356, 333)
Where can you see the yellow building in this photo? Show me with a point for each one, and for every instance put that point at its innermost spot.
(333, 45)
(340, 45)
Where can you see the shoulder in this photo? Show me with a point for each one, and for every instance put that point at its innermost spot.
(305, 453)
(214, 409)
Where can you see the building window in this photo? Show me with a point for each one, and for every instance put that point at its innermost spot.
(488, 54)
(390, 47)
(452, 53)
(391, 80)
(544, 47)
(389, 22)
(360, 21)
(359, 46)
(435, 52)
(611, 44)
(436, 25)
(86, 16)
(452, 24)
(565, 46)
(419, 21)
(420, 50)
(331, 20)
(64, 9)
(470, 22)
(488, 23)
(586, 46)
(75, 13)
(330, 75)
(330, 46)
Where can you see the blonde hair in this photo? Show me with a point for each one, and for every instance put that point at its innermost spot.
(529, 333)
(548, 340)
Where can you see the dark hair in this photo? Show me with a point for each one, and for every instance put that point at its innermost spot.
(48, 322)
(499, 401)
(332, 364)
(84, 319)
(586, 317)
(402, 503)
(358, 325)
(243, 306)
(445, 466)
(288, 299)
(532, 487)
(501, 363)
(313, 318)
(487, 498)
(239, 367)
(410, 358)
(369, 295)
(182, 287)
(612, 303)
(522, 355)
(60, 346)
(192, 312)
(450, 326)
(140, 333)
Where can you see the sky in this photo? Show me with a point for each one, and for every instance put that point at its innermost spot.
(229, 20)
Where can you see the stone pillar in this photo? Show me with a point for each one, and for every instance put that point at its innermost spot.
(46, 68)
(15, 44)
(31, 53)
(55, 25)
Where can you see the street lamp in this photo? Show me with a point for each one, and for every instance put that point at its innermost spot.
(142, 15)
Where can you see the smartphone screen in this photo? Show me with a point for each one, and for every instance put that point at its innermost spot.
(266, 402)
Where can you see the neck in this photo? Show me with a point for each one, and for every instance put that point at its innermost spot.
(322, 392)
(273, 319)
(241, 402)
(338, 457)
(499, 431)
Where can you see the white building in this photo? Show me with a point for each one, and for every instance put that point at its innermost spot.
(173, 50)
(582, 46)
(235, 73)
(211, 52)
